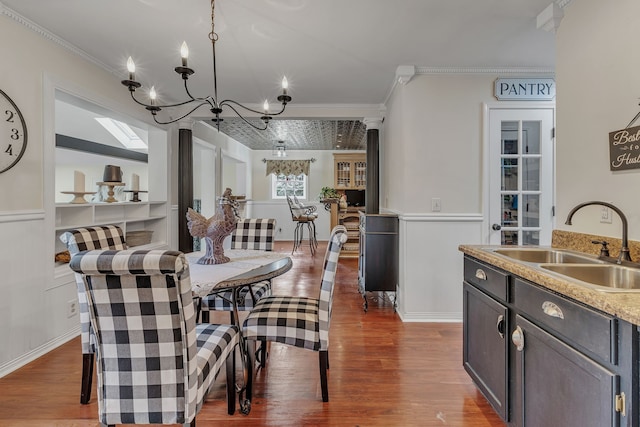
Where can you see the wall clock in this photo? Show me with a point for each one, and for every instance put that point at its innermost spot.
(13, 133)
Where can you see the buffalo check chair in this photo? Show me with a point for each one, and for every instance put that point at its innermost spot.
(250, 233)
(87, 239)
(299, 321)
(256, 234)
(155, 365)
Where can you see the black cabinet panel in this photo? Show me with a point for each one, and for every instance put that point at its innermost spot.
(558, 386)
(485, 346)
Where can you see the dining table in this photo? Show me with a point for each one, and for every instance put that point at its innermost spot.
(246, 267)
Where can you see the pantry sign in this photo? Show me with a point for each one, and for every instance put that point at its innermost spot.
(532, 89)
(624, 149)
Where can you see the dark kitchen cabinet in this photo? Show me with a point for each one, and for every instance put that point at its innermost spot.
(378, 255)
(542, 359)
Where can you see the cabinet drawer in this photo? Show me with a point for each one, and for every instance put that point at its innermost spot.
(492, 281)
(592, 331)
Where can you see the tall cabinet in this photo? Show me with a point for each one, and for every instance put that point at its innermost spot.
(350, 173)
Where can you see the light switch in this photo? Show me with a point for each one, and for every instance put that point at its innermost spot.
(436, 204)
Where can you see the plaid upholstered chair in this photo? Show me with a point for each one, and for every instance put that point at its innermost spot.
(256, 234)
(250, 233)
(155, 365)
(87, 239)
(299, 321)
(303, 215)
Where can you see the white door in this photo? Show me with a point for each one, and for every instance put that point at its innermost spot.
(521, 176)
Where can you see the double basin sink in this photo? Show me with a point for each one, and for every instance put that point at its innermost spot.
(590, 271)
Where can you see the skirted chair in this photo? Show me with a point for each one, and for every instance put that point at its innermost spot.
(87, 239)
(299, 321)
(155, 365)
(303, 216)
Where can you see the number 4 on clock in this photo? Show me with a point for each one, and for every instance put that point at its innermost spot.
(9, 150)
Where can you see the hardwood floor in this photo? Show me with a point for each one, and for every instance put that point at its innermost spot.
(382, 372)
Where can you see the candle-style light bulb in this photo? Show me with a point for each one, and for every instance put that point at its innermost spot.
(153, 95)
(184, 53)
(131, 67)
(285, 85)
(265, 106)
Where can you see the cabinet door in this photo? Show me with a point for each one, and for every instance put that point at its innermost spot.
(485, 347)
(559, 386)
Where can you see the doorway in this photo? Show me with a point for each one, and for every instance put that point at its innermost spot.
(521, 176)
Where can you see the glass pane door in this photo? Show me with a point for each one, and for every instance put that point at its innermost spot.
(521, 188)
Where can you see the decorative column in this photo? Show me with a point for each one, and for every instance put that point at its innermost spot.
(185, 183)
(372, 202)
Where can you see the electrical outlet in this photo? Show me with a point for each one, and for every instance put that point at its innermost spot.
(436, 204)
(72, 308)
(605, 215)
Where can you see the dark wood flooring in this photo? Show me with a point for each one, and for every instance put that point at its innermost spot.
(383, 372)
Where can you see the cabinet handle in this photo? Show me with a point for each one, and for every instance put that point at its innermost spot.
(480, 274)
(500, 326)
(551, 309)
(517, 337)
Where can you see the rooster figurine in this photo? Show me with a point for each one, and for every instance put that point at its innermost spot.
(215, 229)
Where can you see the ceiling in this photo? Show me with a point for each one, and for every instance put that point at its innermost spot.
(332, 51)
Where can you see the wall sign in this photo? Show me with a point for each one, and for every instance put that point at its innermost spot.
(513, 89)
(624, 149)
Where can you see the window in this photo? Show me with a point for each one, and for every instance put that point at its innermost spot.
(283, 185)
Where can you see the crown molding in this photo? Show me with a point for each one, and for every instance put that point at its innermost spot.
(48, 35)
(484, 70)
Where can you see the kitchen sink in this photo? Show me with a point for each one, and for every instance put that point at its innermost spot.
(604, 277)
(550, 256)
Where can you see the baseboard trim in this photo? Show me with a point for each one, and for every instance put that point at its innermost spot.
(431, 317)
(26, 358)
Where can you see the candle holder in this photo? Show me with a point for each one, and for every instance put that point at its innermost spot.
(134, 196)
(78, 196)
(111, 185)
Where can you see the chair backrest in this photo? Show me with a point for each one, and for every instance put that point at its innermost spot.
(91, 238)
(254, 233)
(143, 314)
(298, 211)
(87, 239)
(336, 240)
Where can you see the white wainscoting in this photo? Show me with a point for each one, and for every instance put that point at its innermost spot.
(285, 226)
(431, 273)
(32, 313)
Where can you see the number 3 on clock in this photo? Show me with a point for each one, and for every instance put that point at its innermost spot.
(13, 133)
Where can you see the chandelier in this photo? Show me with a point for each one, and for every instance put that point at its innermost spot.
(211, 101)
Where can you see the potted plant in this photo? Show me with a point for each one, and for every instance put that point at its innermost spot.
(328, 195)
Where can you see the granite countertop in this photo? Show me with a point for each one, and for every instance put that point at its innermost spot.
(624, 305)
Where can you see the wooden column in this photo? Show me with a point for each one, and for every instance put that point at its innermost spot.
(372, 202)
(185, 184)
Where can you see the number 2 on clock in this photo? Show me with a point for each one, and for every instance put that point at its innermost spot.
(9, 114)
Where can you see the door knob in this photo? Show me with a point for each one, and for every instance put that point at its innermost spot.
(496, 227)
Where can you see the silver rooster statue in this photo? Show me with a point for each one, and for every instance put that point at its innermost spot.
(215, 229)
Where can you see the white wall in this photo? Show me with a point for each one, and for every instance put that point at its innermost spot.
(33, 308)
(433, 149)
(598, 88)
(263, 206)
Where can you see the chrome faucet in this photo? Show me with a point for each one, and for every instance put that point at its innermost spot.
(624, 251)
